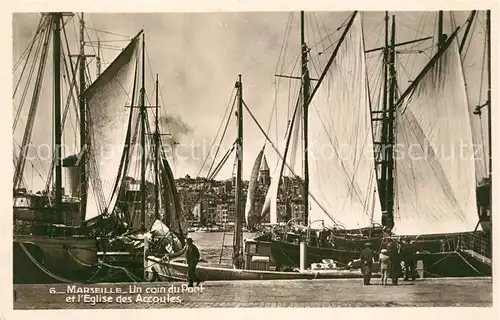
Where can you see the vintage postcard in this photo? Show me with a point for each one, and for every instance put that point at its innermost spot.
(267, 159)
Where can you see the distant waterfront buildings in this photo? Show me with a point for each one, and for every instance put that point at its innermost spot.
(212, 202)
(216, 204)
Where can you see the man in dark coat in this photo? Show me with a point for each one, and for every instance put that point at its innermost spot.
(395, 262)
(366, 258)
(409, 252)
(192, 258)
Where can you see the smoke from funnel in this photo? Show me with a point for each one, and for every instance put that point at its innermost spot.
(72, 174)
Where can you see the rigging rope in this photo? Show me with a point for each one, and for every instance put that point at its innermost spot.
(52, 275)
(222, 136)
(32, 112)
(30, 75)
(335, 221)
(211, 177)
(41, 25)
(29, 48)
(483, 63)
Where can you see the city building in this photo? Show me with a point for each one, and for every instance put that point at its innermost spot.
(207, 202)
(264, 174)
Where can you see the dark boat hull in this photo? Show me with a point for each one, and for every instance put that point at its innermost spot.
(42, 259)
(177, 270)
(453, 264)
(443, 254)
(353, 244)
(288, 254)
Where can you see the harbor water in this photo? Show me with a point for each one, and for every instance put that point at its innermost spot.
(210, 245)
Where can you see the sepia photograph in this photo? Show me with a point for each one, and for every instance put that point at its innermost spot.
(252, 159)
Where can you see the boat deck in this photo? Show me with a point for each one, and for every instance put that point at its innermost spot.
(444, 292)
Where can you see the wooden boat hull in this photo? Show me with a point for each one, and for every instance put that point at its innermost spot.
(177, 270)
(72, 258)
(350, 244)
(452, 264)
(431, 246)
(288, 254)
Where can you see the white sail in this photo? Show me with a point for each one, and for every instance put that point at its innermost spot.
(341, 164)
(107, 99)
(250, 214)
(271, 203)
(435, 171)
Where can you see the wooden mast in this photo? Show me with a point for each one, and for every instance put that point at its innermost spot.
(488, 44)
(305, 102)
(157, 155)
(440, 30)
(237, 239)
(83, 123)
(390, 128)
(98, 58)
(467, 29)
(143, 140)
(387, 140)
(383, 185)
(57, 112)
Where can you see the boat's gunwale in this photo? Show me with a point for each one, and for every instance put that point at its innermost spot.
(270, 272)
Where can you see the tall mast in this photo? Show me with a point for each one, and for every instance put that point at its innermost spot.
(98, 58)
(83, 123)
(157, 155)
(467, 29)
(441, 39)
(488, 44)
(390, 129)
(386, 63)
(239, 158)
(305, 102)
(57, 111)
(384, 191)
(143, 140)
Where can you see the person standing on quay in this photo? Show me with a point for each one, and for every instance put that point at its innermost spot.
(394, 262)
(366, 258)
(384, 265)
(409, 252)
(192, 259)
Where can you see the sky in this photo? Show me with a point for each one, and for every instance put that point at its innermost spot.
(199, 55)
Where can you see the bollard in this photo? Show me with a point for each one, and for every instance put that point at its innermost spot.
(303, 256)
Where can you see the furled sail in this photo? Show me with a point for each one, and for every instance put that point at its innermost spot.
(341, 165)
(107, 99)
(171, 202)
(251, 216)
(435, 170)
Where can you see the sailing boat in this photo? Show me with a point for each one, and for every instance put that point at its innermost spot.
(51, 239)
(162, 230)
(250, 259)
(68, 238)
(447, 214)
(356, 178)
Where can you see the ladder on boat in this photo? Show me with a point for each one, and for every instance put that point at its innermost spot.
(224, 245)
(475, 247)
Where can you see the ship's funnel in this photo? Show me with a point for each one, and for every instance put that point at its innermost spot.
(71, 164)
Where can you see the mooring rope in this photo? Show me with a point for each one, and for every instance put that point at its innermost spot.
(42, 267)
